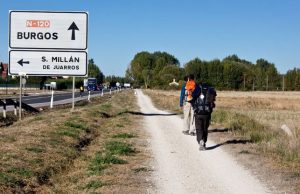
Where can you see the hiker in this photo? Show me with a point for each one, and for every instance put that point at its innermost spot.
(203, 106)
(186, 96)
(81, 90)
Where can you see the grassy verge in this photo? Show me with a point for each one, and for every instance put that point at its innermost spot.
(92, 149)
(271, 142)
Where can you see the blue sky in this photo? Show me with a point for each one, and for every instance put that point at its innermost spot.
(209, 29)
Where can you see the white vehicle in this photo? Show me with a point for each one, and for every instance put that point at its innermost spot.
(126, 85)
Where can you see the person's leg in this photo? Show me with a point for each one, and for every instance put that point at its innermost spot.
(186, 118)
(205, 131)
(199, 128)
(192, 123)
(202, 123)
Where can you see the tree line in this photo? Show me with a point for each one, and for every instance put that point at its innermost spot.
(158, 69)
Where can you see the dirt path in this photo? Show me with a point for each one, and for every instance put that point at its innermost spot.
(179, 167)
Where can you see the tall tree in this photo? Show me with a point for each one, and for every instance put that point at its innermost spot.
(95, 72)
(293, 79)
(145, 67)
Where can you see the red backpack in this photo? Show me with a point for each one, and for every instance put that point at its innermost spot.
(190, 87)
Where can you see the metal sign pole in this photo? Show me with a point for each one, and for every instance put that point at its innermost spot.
(73, 94)
(20, 101)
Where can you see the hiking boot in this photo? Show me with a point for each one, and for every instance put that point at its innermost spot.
(202, 145)
(192, 133)
(185, 132)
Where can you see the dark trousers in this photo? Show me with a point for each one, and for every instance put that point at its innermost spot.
(202, 123)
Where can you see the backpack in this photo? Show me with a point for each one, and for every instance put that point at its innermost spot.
(190, 87)
(205, 102)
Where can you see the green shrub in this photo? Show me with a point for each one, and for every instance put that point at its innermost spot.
(124, 135)
(76, 125)
(116, 147)
(102, 160)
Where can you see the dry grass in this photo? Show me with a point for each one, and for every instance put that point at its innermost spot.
(53, 152)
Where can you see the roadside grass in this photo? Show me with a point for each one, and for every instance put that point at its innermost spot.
(101, 161)
(254, 123)
(95, 184)
(120, 148)
(93, 149)
(124, 135)
(39, 147)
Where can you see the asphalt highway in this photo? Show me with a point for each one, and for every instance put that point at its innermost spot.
(42, 99)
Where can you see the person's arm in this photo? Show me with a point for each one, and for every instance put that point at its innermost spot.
(196, 92)
(182, 95)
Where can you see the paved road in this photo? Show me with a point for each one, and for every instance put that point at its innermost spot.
(179, 166)
(40, 100)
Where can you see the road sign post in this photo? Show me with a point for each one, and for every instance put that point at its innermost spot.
(48, 30)
(73, 94)
(47, 43)
(48, 63)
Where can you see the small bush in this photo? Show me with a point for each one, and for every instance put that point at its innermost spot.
(102, 160)
(70, 133)
(124, 135)
(116, 147)
(76, 125)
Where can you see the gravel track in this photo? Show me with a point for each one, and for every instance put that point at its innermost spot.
(179, 166)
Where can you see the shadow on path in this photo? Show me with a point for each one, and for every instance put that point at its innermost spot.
(106, 115)
(234, 141)
(218, 130)
(150, 114)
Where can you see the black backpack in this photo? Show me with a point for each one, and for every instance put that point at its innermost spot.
(205, 102)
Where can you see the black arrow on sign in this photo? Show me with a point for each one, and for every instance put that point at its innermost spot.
(73, 27)
(21, 62)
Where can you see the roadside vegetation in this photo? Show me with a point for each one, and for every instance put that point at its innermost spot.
(96, 148)
(254, 119)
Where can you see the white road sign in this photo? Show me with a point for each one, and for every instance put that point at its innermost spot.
(42, 63)
(48, 30)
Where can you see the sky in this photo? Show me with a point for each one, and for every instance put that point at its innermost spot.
(207, 29)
